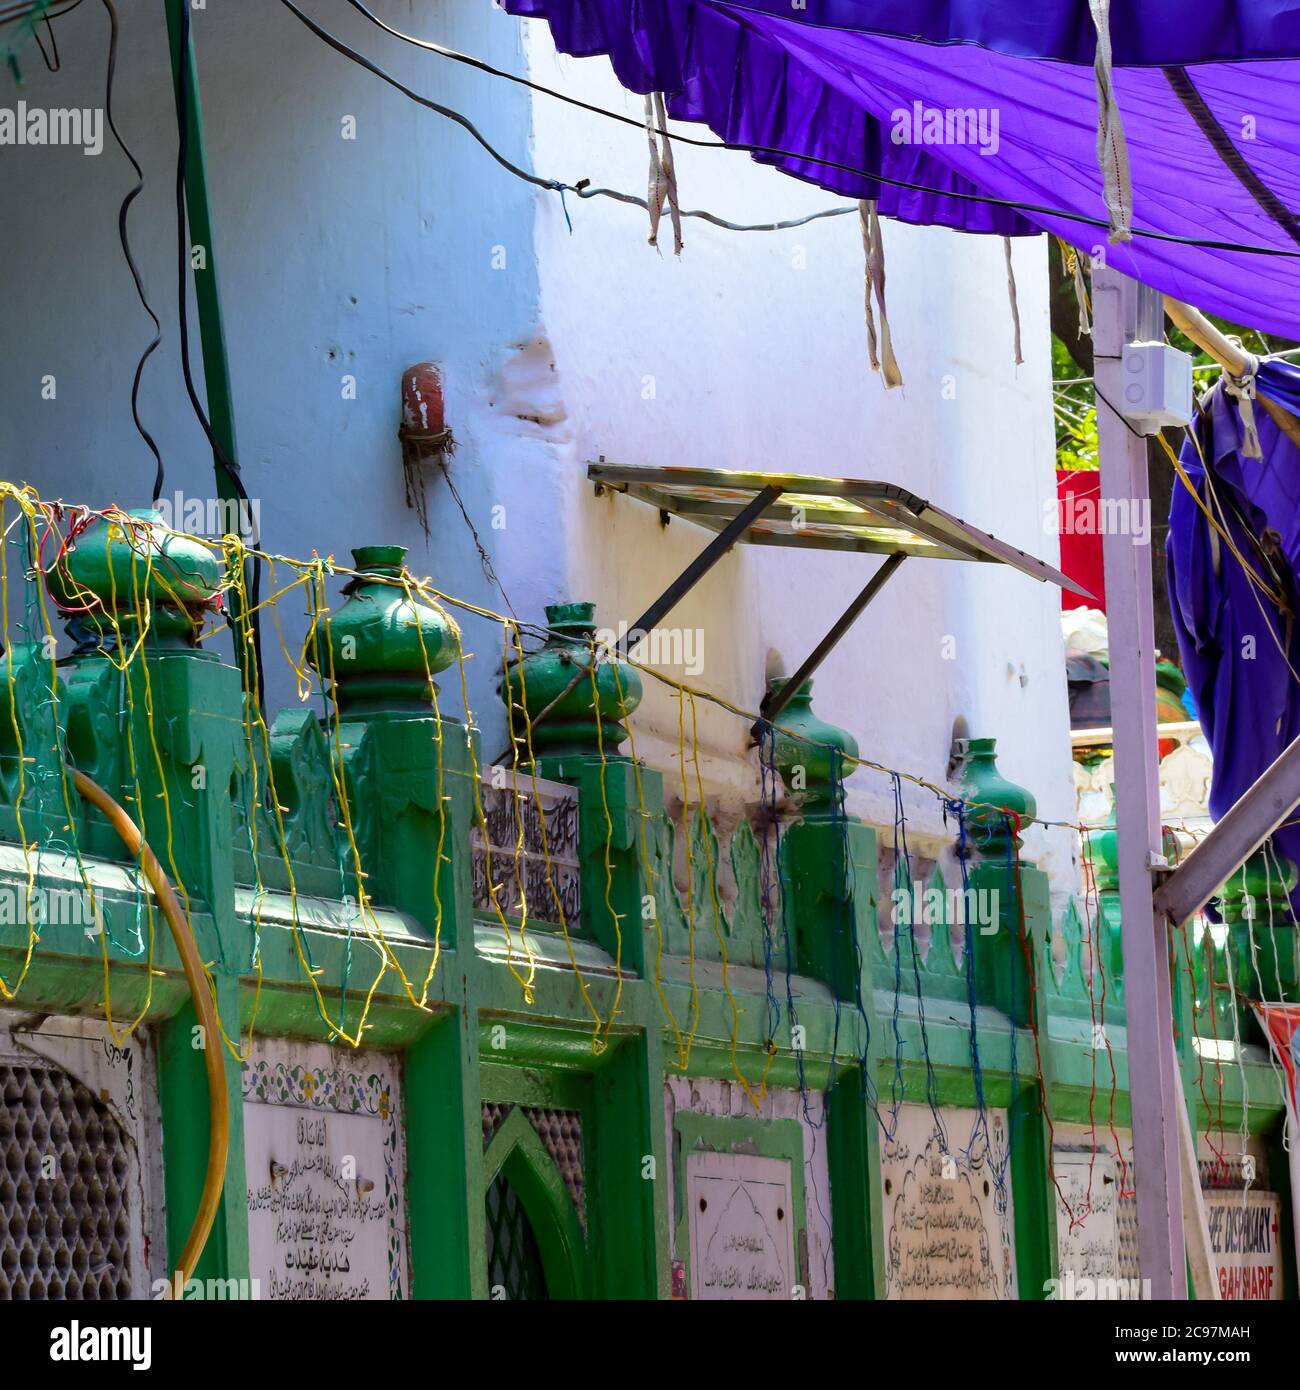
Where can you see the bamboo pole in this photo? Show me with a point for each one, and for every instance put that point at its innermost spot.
(1230, 357)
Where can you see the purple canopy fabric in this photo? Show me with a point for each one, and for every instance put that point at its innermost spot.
(1235, 645)
(838, 92)
(1147, 33)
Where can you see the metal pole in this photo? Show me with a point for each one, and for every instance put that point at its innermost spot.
(1249, 821)
(212, 333)
(1155, 1084)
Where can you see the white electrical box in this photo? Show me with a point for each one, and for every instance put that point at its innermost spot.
(1157, 386)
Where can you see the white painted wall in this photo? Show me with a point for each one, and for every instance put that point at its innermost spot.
(361, 257)
(754, 346)
(335, 257)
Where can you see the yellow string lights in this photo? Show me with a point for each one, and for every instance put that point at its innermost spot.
(126, 631)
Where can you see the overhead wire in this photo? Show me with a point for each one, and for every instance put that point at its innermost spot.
(52, 61)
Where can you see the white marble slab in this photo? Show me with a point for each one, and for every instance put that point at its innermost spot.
(949, 1231)
(741, 1227)
(326, 1174)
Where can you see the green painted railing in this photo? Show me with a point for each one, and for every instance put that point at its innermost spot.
(327, 863)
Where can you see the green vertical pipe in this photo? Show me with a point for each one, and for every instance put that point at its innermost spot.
(212, 333)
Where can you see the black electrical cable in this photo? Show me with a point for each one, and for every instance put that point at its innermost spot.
(227, 465)
(554, 185)
(52, 64)
(584, 189)
(787, 224)
(125, 239)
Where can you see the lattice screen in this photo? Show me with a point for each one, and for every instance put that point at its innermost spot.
(561, 1134)
(65, 1167)
(514, 1261)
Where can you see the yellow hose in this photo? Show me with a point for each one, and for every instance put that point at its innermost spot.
(195, 976)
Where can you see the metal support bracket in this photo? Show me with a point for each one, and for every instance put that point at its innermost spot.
(1251, 819)
(678, 589)
(698, 568)
(773, 704)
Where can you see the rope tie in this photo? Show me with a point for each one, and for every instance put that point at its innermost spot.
(882, 353)
(1014, 299)
(1112, 147)
(1242, 388)
(1074, 267)
(662, 191)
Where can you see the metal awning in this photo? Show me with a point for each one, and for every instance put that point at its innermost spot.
(812, 513)
(808, 513)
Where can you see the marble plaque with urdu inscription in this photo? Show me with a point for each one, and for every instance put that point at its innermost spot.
(741, 1226)
(326, 1174)
(949, 1232)
(1087, 1195)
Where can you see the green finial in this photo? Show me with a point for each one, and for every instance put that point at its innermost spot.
(557, 679)
(996, 809)
(118, 570)
(813, 757)
(381, 648)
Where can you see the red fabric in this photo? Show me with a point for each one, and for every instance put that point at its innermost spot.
(1077, 495)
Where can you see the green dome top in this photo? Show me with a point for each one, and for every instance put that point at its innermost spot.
(114, 569)
(382, 646)
(584, 712)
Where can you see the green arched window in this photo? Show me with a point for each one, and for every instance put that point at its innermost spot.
(536, 1247)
